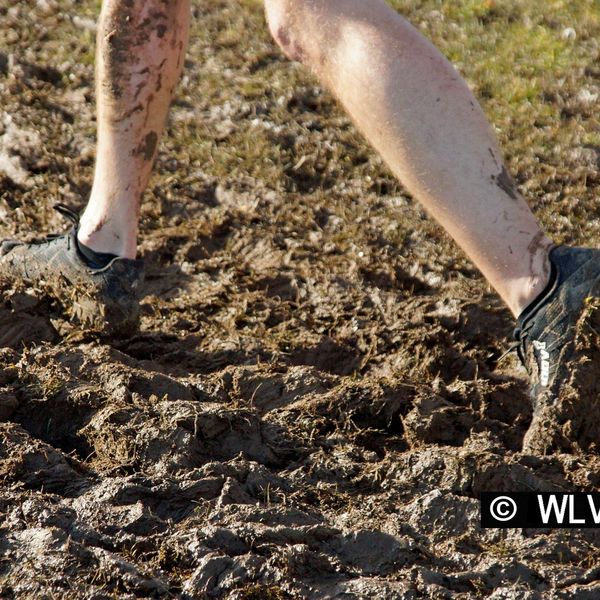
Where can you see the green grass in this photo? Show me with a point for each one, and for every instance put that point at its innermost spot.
(525, 72)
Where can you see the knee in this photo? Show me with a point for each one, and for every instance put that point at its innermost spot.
(284, 18)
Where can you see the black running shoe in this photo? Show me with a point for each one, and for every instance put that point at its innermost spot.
(100, 295)
(549, 346)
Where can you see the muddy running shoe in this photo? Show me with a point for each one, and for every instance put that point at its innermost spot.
(100, 292)
(557, 345)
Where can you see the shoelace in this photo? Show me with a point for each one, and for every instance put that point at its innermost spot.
(520, 334)
(65, 211)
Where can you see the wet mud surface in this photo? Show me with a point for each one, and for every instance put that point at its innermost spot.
(313, 403)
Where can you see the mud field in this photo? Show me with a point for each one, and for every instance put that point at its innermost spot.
(314, 402)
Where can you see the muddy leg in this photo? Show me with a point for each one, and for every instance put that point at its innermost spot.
(140, 51)
(418, 112)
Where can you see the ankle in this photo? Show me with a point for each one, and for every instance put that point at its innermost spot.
(536, 299)
(101, 236)
(528, 290)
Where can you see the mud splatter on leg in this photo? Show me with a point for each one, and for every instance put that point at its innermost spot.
(538, 243)
(506, 183)
(141, 44)
(124, 72)
(290, 45)
(148, 146)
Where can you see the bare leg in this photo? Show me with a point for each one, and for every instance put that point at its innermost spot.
(417, 111)
(140, 52)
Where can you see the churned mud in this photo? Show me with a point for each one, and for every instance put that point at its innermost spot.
(314, 401)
